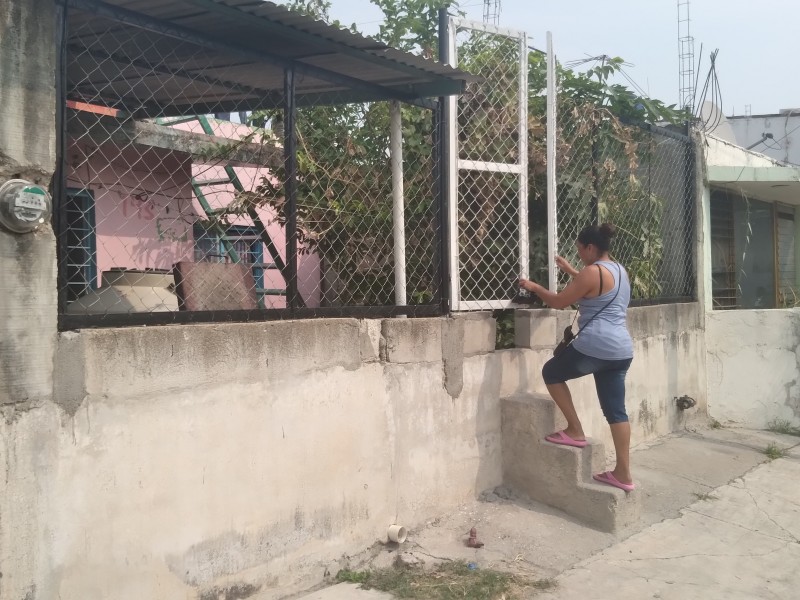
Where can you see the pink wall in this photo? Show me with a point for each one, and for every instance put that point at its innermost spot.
(143, 204)
(145, 207)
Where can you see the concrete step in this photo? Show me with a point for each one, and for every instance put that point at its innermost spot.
(557, 475)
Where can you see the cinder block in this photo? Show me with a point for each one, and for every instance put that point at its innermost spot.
(480, 333)
(411, 340)
(535, 328)
(369, 332)
(215, 286)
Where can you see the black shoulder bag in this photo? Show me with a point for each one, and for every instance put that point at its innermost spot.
(569, 336)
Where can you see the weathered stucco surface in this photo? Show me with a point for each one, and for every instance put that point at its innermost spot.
(27, 93)
(176, 461)
(753, 366)
(27, 298)
(27, 151)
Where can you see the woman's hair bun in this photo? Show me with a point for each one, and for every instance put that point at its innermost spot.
(608, 230)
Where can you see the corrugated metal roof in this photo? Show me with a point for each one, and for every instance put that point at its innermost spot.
(230, 55)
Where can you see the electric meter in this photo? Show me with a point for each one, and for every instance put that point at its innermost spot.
(24, 206)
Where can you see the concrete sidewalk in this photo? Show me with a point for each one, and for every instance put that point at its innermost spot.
(742, 543)
(720, 521)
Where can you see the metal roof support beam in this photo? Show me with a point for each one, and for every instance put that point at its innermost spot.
(162, 70)
(181, 33)
(59, 217)
(275, 100)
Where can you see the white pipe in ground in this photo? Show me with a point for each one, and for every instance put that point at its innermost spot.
(397, 534)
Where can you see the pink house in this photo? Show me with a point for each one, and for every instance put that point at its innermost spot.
(132, 206)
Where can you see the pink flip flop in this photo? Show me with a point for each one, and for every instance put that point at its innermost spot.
(608, 478)
(562, 438)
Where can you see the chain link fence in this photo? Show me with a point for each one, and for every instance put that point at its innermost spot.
(170, 210)
(176, 186)
(491, 199)
(638, 177)
(641, 180)
(345, 206)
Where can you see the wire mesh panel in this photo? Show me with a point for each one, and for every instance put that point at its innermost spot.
(345, 204)
(489, 167)
(176, 200)
(147, 191)
(640, 179)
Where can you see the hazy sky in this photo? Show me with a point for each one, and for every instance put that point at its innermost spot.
(757, 39)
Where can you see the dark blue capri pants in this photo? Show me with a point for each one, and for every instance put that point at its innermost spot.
(609, 379)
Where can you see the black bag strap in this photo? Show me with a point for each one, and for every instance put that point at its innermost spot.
(600, 272)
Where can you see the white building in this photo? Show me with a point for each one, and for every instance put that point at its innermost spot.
(750, 216)
(775, 135)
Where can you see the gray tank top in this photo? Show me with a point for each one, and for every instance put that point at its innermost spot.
(607, 336)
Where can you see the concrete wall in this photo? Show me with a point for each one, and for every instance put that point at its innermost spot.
(784, 127)
(669, 352)
(27, 288)
(151, 475)
(754, 366)
(27, 93)
(176, 462)
(721, 153)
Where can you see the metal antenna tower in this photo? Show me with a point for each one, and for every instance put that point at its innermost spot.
(685, 57)
(491, 11)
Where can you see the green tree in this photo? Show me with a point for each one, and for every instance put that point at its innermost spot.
(604, 159)
(344, 183)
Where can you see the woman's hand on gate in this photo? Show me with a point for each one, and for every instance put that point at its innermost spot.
(527, 284)
(564, 265)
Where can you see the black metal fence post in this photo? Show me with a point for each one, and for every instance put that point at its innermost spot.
(692, 215)
(290, 185)
(59, 187)
(595, 208)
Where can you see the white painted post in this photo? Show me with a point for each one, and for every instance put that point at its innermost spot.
(524, 250)
(552, 224)
(453, 171)
(398, 203)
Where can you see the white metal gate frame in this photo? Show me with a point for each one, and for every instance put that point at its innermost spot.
(457, 165)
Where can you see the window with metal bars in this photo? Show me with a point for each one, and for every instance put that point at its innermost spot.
(753, 253)
(786, 257)
(80, 247)
(723, 261)
(209, 246)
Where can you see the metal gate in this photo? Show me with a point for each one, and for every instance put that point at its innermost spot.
(488, 150)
